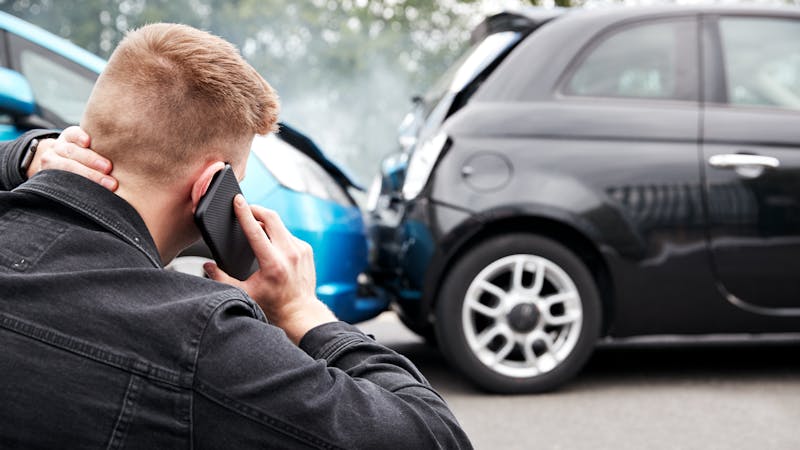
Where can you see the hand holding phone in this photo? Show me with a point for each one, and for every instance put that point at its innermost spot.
(285, 284)
(221, 229)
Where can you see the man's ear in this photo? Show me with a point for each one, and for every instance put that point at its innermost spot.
(202, 182)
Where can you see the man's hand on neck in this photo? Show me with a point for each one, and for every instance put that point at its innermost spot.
(71, 153)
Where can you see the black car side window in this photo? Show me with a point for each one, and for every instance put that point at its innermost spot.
(759, 74)
(644, 60)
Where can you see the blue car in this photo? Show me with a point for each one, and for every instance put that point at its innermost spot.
(45, 82)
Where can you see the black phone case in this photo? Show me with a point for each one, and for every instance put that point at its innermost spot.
(221, 230)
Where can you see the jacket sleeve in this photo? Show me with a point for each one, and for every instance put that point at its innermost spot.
(11, 153)
(340, 389)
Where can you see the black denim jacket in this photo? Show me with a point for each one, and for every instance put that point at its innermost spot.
(102, 347)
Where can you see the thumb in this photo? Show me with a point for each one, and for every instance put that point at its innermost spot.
(76, 135)
(217, 274)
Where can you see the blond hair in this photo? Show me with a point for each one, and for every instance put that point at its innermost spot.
(172, 95)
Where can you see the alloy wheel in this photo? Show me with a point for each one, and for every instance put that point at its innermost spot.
(522, 315)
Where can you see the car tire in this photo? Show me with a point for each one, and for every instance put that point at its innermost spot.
(426, 332)
(518, 313)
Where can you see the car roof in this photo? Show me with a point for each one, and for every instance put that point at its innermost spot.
(526, 19)
(620, 13)
(51, 42)
(523, 19)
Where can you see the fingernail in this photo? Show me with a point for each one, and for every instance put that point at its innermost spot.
(209, 268)
(102, 165)
(239, 200)
(107, 183)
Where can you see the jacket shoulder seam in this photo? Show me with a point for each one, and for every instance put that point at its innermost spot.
(91, 212)
(208, 312)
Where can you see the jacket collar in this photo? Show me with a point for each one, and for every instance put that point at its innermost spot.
(98, 204)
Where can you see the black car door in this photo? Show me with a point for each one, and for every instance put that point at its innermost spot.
(634, 112)
(751, 151)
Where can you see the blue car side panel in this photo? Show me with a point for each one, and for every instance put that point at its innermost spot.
(8, 132)
(335, 232)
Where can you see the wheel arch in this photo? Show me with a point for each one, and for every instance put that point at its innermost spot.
(573, 236)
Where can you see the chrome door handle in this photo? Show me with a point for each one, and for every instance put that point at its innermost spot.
(734, 160)
(746, 166)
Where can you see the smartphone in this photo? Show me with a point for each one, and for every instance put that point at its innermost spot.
(221, 229)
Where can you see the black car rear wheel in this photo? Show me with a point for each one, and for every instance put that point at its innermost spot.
(425, 331)
(518, 313)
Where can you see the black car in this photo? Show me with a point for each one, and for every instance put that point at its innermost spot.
(597, 174)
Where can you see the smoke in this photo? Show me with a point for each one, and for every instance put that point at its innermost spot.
(354, 123)
(346, 77)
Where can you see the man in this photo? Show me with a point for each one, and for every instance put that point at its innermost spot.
(102, 347)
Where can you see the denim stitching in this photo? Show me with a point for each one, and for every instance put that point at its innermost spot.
(417, 385)
(128, 405)
(261, 417)
(332, 350)
(90, 211)
(12, 258)
(62, 341)
(254, 414)
(203, 317)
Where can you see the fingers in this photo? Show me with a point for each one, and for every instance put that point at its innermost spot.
(285, 284)
(256, 236)
(68, 153)
(75, 135)
(217, 274)
(80, 161)
(81, 155)
(75, 167)
(273, 225)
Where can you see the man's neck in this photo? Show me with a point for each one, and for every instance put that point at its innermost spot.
(168, 219)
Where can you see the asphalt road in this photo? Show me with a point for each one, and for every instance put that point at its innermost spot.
(632, 397)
